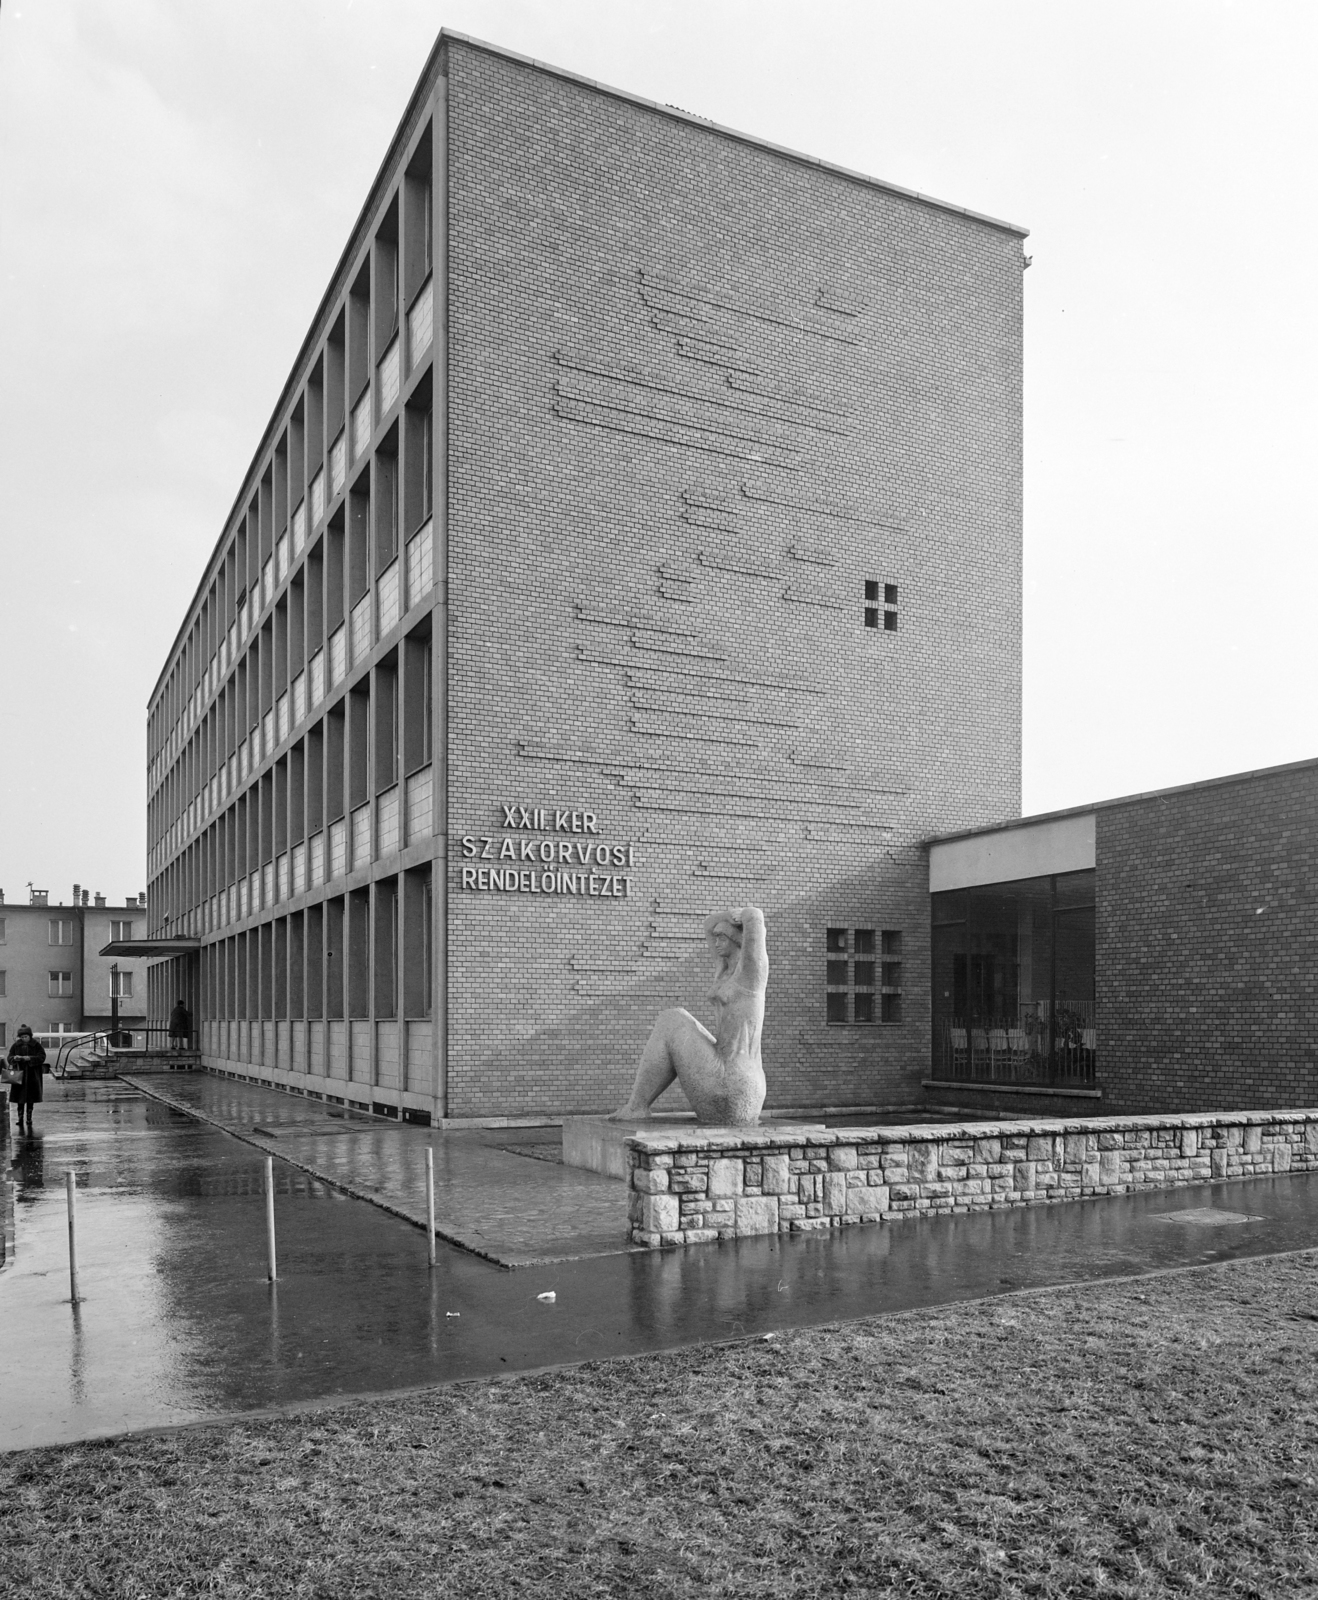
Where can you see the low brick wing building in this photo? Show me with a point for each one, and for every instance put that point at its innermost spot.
(1157, 953)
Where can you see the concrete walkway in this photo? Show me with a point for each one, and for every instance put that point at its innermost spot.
(508, 1207)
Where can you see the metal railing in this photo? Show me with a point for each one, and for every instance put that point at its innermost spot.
(100, 1047)
(96, 1045)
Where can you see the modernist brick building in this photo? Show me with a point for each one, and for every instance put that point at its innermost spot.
(638, 531)
(1154, 953)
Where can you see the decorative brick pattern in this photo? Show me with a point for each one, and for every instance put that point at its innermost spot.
(687, 1190)
(627, 629)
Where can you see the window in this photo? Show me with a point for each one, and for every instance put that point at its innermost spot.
(859, 988)
(338, 463)
(361, 423)
(61, 931)
(4, 1034)
(59, 985)
(121, 930)
(881, 605)
(2, 930)
(4, 976)
(121, 986)
(890, 976)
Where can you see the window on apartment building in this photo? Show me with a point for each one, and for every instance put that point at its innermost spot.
(859, 987)
(2, 930)
(121, 986)
(120, 930)
(4, 1035)
(60, 930)
(59, 985)
(881, 605)
(4, 984)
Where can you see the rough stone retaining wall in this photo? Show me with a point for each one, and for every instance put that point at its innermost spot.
(692, 1188)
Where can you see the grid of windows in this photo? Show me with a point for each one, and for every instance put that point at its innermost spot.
(272, 773)
(863, 975)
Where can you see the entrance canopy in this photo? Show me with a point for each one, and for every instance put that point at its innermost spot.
(152, 949)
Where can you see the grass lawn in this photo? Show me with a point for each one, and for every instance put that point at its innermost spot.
(1158, 1437)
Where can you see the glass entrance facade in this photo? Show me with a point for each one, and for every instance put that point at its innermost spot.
(1013, 981)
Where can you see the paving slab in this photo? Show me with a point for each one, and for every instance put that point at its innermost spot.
(489, 1197)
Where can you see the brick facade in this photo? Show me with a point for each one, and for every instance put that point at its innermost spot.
(700, 394)
(1207, 950)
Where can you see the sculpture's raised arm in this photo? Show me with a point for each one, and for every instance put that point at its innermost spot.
(753, 968)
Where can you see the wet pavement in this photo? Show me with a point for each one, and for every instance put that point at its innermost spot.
(488, 1197)
(179, 1324)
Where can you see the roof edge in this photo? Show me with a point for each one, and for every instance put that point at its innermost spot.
(1124, 800)
(736, 133)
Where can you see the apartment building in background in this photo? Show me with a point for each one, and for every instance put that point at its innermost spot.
(51, 975)
(638, 532)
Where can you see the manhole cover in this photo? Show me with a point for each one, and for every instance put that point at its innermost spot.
(1206, 1217)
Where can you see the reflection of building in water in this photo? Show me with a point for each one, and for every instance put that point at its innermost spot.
(1146, 954)
(637, 531)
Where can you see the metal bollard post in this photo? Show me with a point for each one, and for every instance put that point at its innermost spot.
(71, 1191)
(430, 1205)
(271, 1272)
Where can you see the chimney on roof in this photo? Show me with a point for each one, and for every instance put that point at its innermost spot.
(77, 894)
(38, 897)
(141, 899)
(98, 900)
(85, 897)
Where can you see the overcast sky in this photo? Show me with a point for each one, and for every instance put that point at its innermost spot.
(177, 178)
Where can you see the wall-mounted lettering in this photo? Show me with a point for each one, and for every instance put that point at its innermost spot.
(545, 861)
(512, 880)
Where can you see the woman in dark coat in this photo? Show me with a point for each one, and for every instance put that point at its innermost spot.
(28, 1057)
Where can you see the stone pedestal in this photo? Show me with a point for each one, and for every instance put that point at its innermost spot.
(600, 1145)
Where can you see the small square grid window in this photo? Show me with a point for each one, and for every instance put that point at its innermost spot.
(881, 605)
(857, 987)
(121, 930)
(61, 931)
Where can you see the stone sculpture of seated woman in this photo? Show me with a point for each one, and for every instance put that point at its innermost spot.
(720, 1073)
